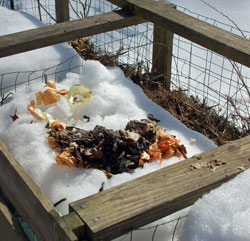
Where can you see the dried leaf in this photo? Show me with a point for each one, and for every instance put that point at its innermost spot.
(15, 116)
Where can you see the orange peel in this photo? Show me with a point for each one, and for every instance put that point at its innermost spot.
(38, 114)
(57, 126)
(66, 158)
(50, 95)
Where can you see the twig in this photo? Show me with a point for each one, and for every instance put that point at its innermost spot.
(224, 15)
(4, 98)
(85, 7)
(60, 201)
(45, 78)
(235, 67)
(74, 10)
(244, 120)
(46, 11)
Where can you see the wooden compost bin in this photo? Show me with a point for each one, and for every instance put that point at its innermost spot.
(118, 210)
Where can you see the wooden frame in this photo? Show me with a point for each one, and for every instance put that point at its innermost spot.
(165, 191)
(62, 10)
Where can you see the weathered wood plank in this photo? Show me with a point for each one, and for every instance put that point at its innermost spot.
(115, 211)
(74, 223)
(61, 32)
(9, 226)
(30, 202)
(162, 54)
(62, 10)
(218, 40)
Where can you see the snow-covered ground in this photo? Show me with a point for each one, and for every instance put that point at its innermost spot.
(223, 214)
(29, 66)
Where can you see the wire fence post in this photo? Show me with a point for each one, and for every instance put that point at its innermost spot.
(62, 10)
(162, 53)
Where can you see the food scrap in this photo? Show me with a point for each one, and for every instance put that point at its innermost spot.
(51, 96)
(38, 114)
(113, 151)
(78, 94)
(15, 116)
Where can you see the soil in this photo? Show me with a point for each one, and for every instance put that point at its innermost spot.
(191, 111)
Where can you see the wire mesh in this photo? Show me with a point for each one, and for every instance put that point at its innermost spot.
(213, 78)
(201, 72)
(13, 80)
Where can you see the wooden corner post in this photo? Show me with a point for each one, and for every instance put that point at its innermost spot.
(162, 53)
(62, 10)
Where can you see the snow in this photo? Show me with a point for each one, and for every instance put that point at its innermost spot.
(115, 100)
(222, 214)
(40, 59)
(232, 9)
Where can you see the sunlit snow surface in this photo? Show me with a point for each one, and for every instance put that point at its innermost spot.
(27, 64)
(115, 100)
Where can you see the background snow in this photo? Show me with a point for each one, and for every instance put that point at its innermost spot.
(223, 214)
(40, 59)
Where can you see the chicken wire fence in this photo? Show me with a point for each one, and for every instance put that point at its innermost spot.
(215, 79)
(13, 80)
(200, 72)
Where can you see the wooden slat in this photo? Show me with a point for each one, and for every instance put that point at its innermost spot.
(58, 33)
(74, 223)
(30, 202)
(9, 226)
(220, 41)
(116, 211)
(162, 54)
(62, 10)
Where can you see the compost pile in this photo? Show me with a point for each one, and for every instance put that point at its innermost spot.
(113, 151)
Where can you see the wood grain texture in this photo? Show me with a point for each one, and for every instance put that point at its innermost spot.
(62, 10)
(218, 40)
(74, 223)
(9, 226)
(30, 202)
(116, 211)
(61, 32)
(162, 54)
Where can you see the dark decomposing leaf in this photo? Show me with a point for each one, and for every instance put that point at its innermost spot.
(114, 151)
(152, 118)
(87, 118)
(102, 187)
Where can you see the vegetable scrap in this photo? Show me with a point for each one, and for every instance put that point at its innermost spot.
(38, 114)
(15, 116)
(113, 151)
(78, 94)
(51, 96)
